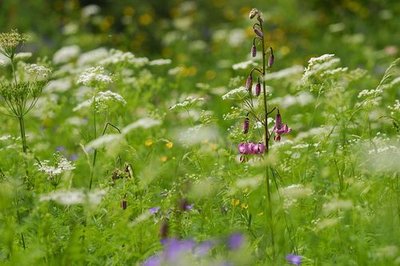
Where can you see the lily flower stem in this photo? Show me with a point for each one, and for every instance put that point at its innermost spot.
(266, 132)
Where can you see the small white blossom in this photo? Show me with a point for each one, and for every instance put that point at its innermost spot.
(235, 93)
(90, 10)
(93, 56)
(73, 197)
(337, 204)
(37, 72)
(141, 123)
(119, 57)
(58, 85)
(187, 103)
(94, 75)
(318, 65)
(103, 100)
(160, 62)
(285, 73)
(66, 54)
(22, 56)
(244, 65)
(62, 165)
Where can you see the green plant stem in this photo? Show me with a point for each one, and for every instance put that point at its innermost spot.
(23, 134)
(95, 150)
(267, 177)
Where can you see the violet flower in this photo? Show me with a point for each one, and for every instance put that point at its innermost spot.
(253, 50)
(251, 148)
(154, 210)
(235, 241)
(293, 259)
(280, 128)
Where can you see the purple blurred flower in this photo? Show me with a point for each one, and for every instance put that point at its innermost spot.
(60, 148)
(154, 210)
(152, 261)
(251, 148)
(184, 205)
(203, 248)
(280, 128)
(293, 259)
(235, 241)
(174, 248)
(73, 157)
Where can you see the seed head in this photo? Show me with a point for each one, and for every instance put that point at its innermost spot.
(9, 42)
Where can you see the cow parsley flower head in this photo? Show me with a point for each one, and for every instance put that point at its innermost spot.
(37, 72)
(66, 54)
(61, 166)
(103, 100)
(94, 76)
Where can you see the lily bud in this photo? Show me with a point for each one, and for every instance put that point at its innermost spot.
(246, 125)
(258, 88)
(253, 13)
(253, 50)
(249, 82)
(271, 58)
(258, 32)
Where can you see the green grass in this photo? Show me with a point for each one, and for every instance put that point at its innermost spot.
(334, 179)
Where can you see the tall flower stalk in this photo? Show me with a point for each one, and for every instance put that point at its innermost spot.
(20, 92)
(263, 147)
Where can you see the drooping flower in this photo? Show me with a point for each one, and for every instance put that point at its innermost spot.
(253, 50)
(258, 88)
(258, 32)
(246, 125)
(271, 58)
(280, 128)
(251, 148)
(254, 12)
(249, 82)
(293, 259)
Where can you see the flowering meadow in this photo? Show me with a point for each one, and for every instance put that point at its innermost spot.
(200, 133)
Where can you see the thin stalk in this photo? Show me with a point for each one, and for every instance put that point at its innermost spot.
(266, 132)
(95, 136)
(23, 135)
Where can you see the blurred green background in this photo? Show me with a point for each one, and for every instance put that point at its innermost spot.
(201, 34)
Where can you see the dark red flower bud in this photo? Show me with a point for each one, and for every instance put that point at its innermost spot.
(253, 51)
(258, 88)
(258, 32)
(124, 204)
(271, 58)
(249, 82)
(164, 229)
(246, 125)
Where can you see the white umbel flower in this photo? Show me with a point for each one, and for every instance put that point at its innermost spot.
(61, 166)
(73, 197)
(66, 54)
(94, 75)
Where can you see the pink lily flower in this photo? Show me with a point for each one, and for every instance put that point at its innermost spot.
(280, 128)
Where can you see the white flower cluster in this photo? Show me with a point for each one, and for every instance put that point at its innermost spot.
(92, 57)
(285, 73)
(235, 93)
(318, 65)
(395, 108)
(22, 56)
(37, 72)
(94, 75)
(160, 62)
(187, 103)
(102, 100)
(116, 57)
(90, 10)
(371, 97)
(336, 205)
(73, 197)
(61, 166)
(244, 65)
(66, 54)
(294, 192)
